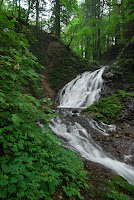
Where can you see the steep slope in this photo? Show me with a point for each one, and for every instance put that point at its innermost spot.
(33, 163)
(60, 64)
(117, 106)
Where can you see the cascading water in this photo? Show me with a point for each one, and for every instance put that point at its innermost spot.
(83, 91)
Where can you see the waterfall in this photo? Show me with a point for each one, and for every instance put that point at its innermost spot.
(83, 91)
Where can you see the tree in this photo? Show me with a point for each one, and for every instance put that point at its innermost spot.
(1, 2)
(57, 18)
(62, 10)
(30, 6)
(127, 8)
(101, 25)
(39, 7)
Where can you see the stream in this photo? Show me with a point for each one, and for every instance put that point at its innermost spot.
(69, 126)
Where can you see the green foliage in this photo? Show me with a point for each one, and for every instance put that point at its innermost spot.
(118, 189)
(62, 10)
(29, 34)
(117, 196)
(99, 27)
(109, 109)
(125, 62)
(124, 94)
(32, 163)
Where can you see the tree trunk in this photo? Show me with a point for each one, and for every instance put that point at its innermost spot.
(94, 49)
(19, 12)
(28, 12)
(81, 47)
(57, 19)
(98, 31)
(87, 49)
(99, 44)
(15, 7)
(37, 12)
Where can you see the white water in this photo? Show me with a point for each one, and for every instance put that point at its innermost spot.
(84, 91)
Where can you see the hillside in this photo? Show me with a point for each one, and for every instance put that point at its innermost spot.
(60, 64)
(34, 165)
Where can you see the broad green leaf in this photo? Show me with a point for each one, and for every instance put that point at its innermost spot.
(12, 188)
(14, 180)
(2, 94)
(45, 100)
(2, 100)
(13, 76)
(3, 182)
(23, 185)
(5, 168)
(19, 59)
(52, 187)
(15, 119)
(12, 139)
(37, 103)
(3, 193)
(23, 81)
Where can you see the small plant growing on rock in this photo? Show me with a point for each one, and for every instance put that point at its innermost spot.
(109, 109)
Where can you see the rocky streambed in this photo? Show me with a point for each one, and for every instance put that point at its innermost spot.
(120, 139)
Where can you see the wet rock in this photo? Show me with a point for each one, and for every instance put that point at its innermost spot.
(128, 111)
(108, 75)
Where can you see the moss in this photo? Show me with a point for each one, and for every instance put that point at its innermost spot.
(109, 109)
(125, 62)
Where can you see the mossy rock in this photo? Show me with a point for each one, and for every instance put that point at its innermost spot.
(109, 109)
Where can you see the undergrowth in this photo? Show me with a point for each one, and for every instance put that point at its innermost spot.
(118, 188)
(109, 108)
(32, 163)
(125, 63)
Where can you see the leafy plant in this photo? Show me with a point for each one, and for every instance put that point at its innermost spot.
(33, 163)
(117, 196)
(109, 108)
(118, 189)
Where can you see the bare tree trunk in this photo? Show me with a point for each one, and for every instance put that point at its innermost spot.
(29, 8)
(98, 32)
(70, 40)
(13, 7)
(19, 12)
(57, 19)
(81, 45)
(37, 12)
(87, 49)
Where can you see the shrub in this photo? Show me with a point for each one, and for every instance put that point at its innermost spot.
(118, 189)
(32, 163)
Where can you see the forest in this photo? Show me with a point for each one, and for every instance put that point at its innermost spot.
(33, 163)
(90, 28)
